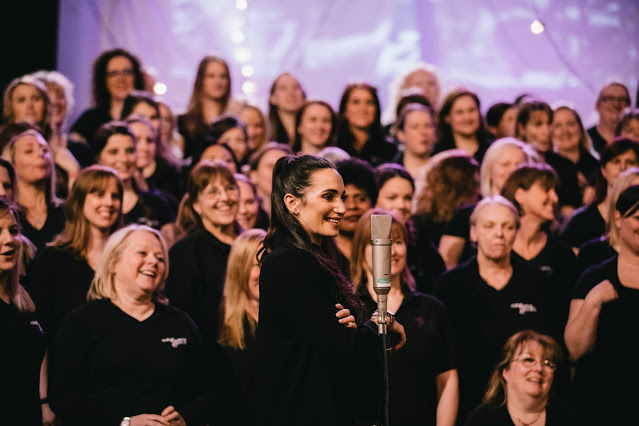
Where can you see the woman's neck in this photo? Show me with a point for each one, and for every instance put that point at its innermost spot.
(530, 238)
(224, 233)
(496, 272)
(468, 143)
(607, 130)
(526, 410)
(148, 171)
(288, 121)
(252, 308)
(309, 148)
(360, 137)
(211, 109)
(413, 163)
(138, 308)
(116, 108)
(571, 154)
(97, 241)
(32, 196)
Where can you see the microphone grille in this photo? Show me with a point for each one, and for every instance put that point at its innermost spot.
(381, 226)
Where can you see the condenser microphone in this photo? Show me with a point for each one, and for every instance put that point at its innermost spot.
(381, 244)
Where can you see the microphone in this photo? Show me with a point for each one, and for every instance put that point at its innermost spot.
(381, 244)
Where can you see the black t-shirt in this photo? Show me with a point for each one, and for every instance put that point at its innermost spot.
(569, 193)
(429, 352)
(593, 252)
(459, 226)
(606, 378)
(585, 224)
(197, 268)
(21, 354)
(376, 150)
(151, 210)
(111, 365)
(305, 356)
(425, 264)
(557, 414)
(484, 318)
(89, 122)
(167, 178)
(52, 226)
(445, 145)
(587, 165)
(598, 142)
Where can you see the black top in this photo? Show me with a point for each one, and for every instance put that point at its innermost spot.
(306, 358)
(414, 368)
(167, 178)
(593, 252)
(585, 224)
(58, 283)
(376, 150)
(445, 145)
(484, 318)
(428, 230)
(558, 262)
(557, 414)
(598, 142)
(89, 122)
(111, 365)
(192, 139)
(52, 226)
(425, 264)
(23, 347)
(587, 165)
(459, 226)
(606, 376)
(197, 266)
(151, 210)
(569, 193)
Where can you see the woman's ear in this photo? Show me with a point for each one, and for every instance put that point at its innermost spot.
(197, 208)
(293, 204)
(473, 234)
(617, 219)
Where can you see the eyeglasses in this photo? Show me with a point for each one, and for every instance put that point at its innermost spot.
(530, 362)
(621, 99)
(116, 73)
(214, 194)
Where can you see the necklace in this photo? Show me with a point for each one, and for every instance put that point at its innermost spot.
(530, 423)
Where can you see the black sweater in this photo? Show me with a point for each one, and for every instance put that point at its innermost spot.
(110, 365)
(309, 365)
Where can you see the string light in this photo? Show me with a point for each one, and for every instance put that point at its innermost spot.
(237, 37)
(241, 4)
(537, 27)
(159, 89)
(248, 87)
(247, 70)
(242, 55)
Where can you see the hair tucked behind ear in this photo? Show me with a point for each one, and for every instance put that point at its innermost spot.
(293, 175)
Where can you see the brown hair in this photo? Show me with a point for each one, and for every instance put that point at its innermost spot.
(524, 177)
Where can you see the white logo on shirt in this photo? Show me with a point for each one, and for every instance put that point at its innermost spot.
(523, 307)
(175, 342)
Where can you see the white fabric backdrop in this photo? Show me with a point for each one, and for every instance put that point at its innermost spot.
(485, 45)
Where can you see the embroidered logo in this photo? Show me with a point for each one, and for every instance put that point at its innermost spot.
(175, 342)
(523, 307)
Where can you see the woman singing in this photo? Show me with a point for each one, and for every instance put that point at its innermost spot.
(305, 372)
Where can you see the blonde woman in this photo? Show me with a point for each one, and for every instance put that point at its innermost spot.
(241, 308)
(126, 357)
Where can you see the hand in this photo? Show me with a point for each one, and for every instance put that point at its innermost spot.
(48, 418)
(149, 420)
(173, 417)
(345, 316)
(395, 332)
(603, 292)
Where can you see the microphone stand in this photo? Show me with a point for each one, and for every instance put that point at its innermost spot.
(381, 248)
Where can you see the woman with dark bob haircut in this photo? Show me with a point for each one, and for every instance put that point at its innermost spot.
(307, 339)
(520, 390)
(360, 131)
(115, 74)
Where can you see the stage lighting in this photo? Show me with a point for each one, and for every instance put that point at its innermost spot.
(247, 70)
(159, 89)
(242, 55)
(537, 27)
(241, 4)
(248, 87)
(237, 36)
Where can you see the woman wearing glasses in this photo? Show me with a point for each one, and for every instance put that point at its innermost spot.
(519, 390)
(115, 74)
(197, 262)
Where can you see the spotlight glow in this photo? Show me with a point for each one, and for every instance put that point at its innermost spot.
(237, 37)
(159, 89)
(248, 87)
(241, 4)
(247, 70)
(242, 55)
(537, 27)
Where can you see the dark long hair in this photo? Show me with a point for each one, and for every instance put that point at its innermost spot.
(297, 144)
(615, 148)
(101, 95)
(444, 130)
(292, 175)
(375, 131)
